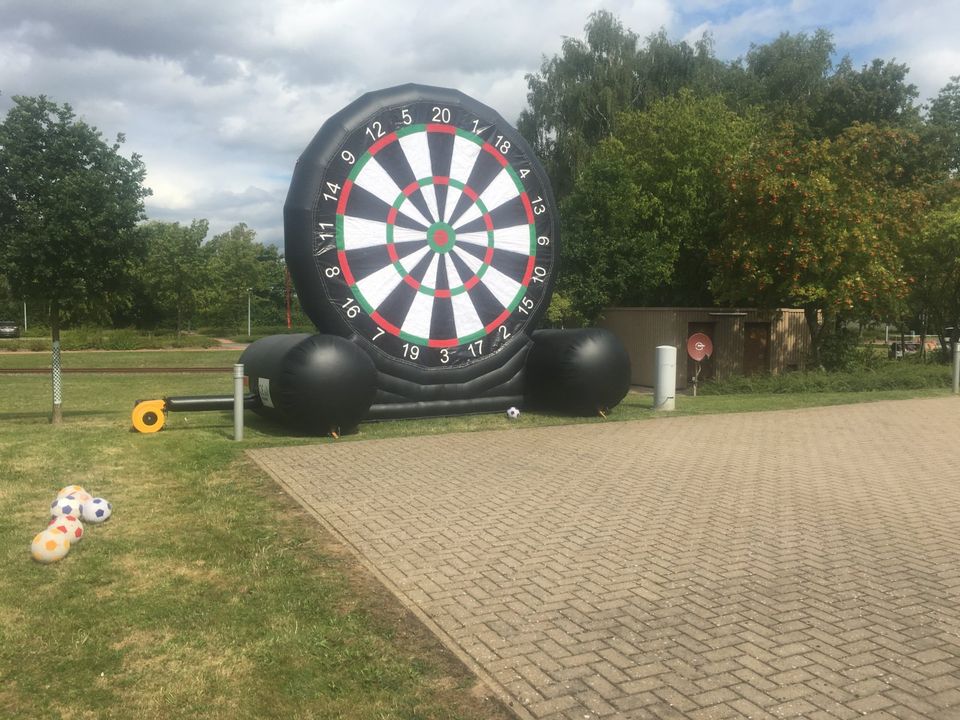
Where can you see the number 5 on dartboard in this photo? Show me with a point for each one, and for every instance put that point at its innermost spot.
(443, 230)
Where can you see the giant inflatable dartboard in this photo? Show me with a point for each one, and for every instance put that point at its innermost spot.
(420, 226)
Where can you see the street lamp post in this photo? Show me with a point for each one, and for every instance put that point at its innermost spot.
(248, 311)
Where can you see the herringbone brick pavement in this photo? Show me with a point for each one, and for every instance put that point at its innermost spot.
(765, 565)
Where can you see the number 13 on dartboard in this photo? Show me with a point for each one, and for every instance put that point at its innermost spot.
(434, 231)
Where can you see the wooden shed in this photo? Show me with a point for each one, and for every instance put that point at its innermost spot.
(744, 341)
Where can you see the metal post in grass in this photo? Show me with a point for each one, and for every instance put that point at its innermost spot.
(238, 402)
(956, 368)
(248, 312)
(665, 386)
(55, 371)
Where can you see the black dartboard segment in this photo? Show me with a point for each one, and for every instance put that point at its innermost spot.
(432, 230)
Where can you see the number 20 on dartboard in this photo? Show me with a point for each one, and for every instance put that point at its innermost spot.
(432, 234)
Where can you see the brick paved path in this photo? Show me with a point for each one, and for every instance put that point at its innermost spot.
(790, 564)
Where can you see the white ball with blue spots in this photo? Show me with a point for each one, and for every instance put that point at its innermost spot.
(97, 510)
(66, 505)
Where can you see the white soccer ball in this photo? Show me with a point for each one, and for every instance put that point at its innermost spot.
(49, 546)
(97, 510)
(66, 505)
(513, 413)
(77, 491)
(68, 524)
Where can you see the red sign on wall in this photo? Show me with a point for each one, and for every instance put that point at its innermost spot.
(699, 346)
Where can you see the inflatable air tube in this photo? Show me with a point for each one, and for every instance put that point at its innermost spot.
(581, 372)
(315, 384)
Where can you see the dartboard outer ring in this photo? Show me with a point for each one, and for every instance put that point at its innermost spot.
(420, 225)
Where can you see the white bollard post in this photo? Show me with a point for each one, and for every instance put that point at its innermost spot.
(665, 389)
(238, 402)
(956, 368)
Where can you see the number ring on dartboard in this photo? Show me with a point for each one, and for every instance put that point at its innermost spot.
(440, 238)
(420, 225)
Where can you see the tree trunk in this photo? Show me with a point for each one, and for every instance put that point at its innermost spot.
(57, 417)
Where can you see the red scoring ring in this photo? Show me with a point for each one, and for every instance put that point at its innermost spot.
(391, 218)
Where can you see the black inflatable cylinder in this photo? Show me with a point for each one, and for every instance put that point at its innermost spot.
(315, 383)
(582, 372)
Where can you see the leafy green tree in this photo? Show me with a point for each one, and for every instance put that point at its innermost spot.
(933, 260)
(943, 126)
(239, 271)
(174, 270)
(611, 252)
(574, 100)
(576, 95)
(788, 77)
(646, 209)
(819, 224)
(69, 204)
(666, 68)
(9, 307)
(878, 93)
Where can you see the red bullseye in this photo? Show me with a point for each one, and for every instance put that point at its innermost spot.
(440, 237)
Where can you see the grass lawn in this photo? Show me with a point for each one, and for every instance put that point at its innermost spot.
(210, 593)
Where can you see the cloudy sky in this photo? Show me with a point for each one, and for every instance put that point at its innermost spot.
(221, 96)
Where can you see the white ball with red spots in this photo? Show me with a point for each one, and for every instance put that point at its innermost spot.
(68, 524)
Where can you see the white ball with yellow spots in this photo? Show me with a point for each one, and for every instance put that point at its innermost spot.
(49, 546)
(77, 491)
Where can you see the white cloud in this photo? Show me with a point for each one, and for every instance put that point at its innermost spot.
(221, 97)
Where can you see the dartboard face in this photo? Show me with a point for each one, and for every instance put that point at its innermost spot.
(433, 231)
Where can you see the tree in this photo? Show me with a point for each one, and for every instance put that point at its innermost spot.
(574, 99)
(878, 93)
(576, 95)
(69, 203)
(819, 224)
(174, 270)
(646, 209)
(241, 270)
(788, 76)
(611, 252)
(933, 259)
(943, 125)
(666, 68)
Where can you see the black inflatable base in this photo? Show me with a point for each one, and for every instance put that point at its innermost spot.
(580, 372)
(400, 411)
(317, 384)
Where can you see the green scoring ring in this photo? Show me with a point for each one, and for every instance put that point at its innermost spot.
(401, 270)
(441, 237)
(398, 266)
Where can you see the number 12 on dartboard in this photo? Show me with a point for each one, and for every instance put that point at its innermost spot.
(433, 234)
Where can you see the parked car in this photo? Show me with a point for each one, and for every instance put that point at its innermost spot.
(9, 329)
